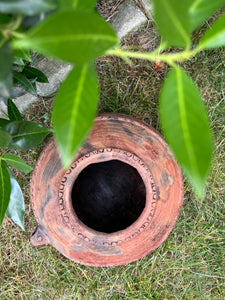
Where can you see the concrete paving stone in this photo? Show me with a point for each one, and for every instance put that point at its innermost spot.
(128, 18)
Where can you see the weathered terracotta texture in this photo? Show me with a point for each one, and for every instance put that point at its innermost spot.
(118, 137)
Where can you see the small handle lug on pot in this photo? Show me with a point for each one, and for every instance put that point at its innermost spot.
(39, 238)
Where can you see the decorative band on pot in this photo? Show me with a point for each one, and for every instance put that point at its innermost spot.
(116, 203)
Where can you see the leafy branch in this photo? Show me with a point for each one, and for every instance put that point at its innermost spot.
(74, 32)
(15, 134)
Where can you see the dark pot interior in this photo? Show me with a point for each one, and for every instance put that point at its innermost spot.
(108, 196)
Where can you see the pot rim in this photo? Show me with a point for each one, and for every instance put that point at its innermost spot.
(104, 155)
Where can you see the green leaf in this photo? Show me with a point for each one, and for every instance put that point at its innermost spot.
(66, 4)
(5, 138)
(215, 36)
(16, 207)
(23, 54)
(24, 7)
(74, 110)
(186, 126)
(13, 112)
(75, 36)
(5, 19)
(33, 73)
(17, 162)
(5, 189)
(78, 4)
(88, 4)
(172, 18)
(20, 62)
(22, 81)
(6, 60)
(3, 122)
(21, 57)
(25, 134)
(200, 10)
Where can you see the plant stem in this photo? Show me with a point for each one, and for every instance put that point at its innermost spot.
(17, 23)
(18, 35)
(10, 30)
(170, 59)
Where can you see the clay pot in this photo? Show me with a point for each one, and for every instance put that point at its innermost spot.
(117, 202)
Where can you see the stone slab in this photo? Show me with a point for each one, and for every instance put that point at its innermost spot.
(128, 18)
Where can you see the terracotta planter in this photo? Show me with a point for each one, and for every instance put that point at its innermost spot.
(118, 201)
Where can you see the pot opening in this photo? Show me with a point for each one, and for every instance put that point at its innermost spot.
(108, 196)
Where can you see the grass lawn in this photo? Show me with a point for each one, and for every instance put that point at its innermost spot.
(190, 263)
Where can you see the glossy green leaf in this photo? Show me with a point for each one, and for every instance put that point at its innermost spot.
(186, 126)
(16, 162)
(22, 81)
(5, 138)
(25, 134)
(24, 7)
(75, 36)
(74, 110)
(76, 4)
(172, 18)
(13, 112)
(3, 122)
(88, 4)
(5, 19)
(200, 10)
(215, 36)
(5, 189)
(16, 206)
(19, 62)
(6, 60)
(33, 73)
(66, 4)
(21, 57)
(24, 54)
